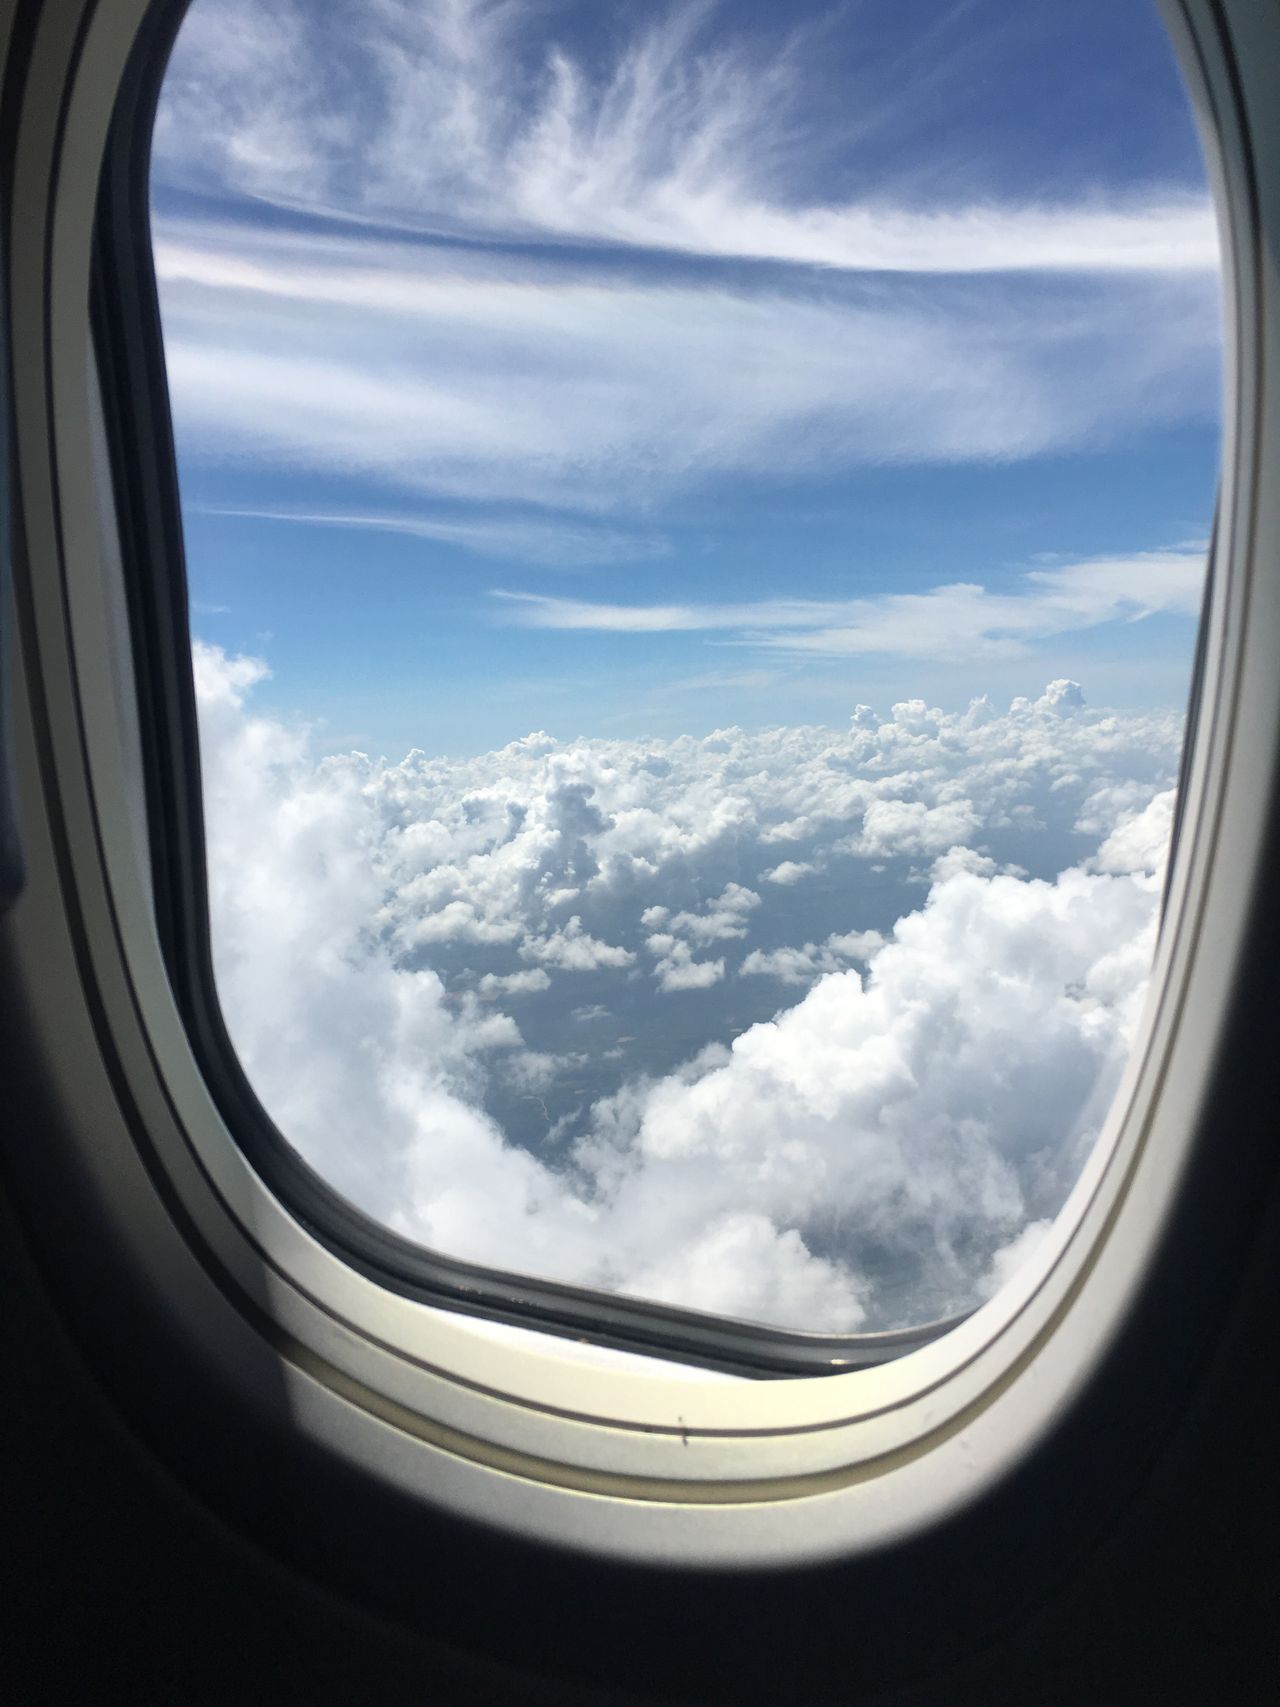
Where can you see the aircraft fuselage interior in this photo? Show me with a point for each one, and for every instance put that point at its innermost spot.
(257, 1446)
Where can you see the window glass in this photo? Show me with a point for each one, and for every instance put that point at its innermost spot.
(696, 518)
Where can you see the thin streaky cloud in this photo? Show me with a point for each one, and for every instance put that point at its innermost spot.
(687, 142)
(595, 396)
(952, 620)
(550, 544)
(726, 679)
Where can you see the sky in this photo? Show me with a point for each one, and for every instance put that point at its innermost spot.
(556, 347)
(695, 520)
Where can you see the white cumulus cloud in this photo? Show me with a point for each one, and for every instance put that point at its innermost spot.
(862, 1125)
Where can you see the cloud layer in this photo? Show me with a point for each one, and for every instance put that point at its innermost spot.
(807, 1025)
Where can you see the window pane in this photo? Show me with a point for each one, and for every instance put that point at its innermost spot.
(696, 519)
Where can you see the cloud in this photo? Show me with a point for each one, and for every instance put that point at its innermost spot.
(1009, 1258)
(679, 137)
(788, 871)
(957, 620)
(1138, 841)
(678, 970)
(573, 949)
(803, 965)
(503, 852)
(869, 1155)
(934, 1109)
(722, 918)
(957, 859)
(911, 827)
(469, 378)
(728, 679)
(557, 544)
(529, 983)
(725, 916)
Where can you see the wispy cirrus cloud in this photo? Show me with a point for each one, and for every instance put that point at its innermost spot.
(681, 137)
(552, 357)
(958, 619)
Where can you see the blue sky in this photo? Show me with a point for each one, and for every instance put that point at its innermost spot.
(638, 369)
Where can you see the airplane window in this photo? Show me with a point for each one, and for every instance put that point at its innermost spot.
(696, 521)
